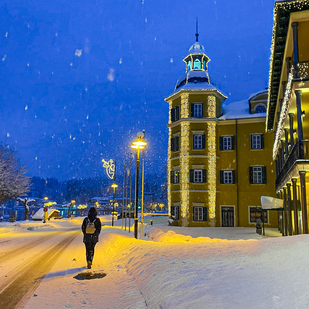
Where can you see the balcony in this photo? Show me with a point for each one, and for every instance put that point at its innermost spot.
(299, 152)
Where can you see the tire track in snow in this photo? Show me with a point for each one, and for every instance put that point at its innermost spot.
(19, 289)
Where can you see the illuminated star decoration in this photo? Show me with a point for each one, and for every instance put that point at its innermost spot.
(110, 168)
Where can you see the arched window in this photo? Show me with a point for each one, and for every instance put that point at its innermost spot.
(197, 64)
(189, 65)
(261, 108)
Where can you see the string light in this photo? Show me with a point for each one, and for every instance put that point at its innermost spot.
(211, 142)
(110, 168)
(284, 113)
(169, 165)
(184, 105)
(184, 172)
(287, 6)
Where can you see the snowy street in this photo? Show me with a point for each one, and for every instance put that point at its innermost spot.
(168, 270)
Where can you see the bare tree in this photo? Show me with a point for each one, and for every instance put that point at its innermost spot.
(13, 182)
(25, 201)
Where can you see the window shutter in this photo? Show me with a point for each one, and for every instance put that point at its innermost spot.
(221, 142)
(233, 142)
(177, 213)
(204, 213)
(172, 144)
(264, 175)
(251, 174)
(233, 176)
(173, 114)
(172, 176)
(202, 110)
(251, 144)
(203, 141)
(221, 176)
(176, 146)
(177, 113)
(262, 141)
(204, 175)
(192, 109)
(191, 175)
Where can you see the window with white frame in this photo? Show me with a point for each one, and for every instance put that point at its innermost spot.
(257, 141)
(197, 141)
(198, 176)
(227, 143)
(257, 174)
(197, 213)
(227, 176)
(197, 110)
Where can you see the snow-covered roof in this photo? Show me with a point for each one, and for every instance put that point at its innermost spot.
(238, 110)
(197, 48)
(39, 215)
(257, 93)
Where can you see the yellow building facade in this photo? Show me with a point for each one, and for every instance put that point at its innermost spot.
(288, 111)
(219, 157)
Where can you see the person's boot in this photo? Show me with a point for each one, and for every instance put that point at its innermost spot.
(88, 264)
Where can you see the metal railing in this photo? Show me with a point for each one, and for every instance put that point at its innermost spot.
(300, 151)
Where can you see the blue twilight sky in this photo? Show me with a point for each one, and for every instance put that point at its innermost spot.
(79, 79)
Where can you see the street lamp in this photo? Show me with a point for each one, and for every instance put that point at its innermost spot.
(114, 186)
(45, 210)
(139, 144)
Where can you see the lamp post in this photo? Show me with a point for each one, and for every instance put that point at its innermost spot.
(139, 144)
(114, 186)
(45, 209)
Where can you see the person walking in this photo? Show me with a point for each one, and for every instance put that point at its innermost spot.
(91, 228)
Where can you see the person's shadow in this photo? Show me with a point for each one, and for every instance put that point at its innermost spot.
(63, 273)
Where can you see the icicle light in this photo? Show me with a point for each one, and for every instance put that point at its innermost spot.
(286, 105)
(184, 173)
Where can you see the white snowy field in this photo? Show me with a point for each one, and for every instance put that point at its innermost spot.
(231, 268)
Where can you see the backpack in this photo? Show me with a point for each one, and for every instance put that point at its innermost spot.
(90, 228)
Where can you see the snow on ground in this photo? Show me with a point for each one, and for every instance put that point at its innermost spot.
(174, 268)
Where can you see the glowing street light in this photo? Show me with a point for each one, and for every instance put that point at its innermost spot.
(139, 144)
(114, 186)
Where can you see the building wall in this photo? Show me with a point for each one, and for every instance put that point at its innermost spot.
(239, 197)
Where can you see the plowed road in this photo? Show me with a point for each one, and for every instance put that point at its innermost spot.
(23, 266)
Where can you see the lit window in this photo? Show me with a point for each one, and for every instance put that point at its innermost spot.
(197, 64)
(176, 176)
(258, 214)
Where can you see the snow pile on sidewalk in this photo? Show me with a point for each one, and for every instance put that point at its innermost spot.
(177, 271)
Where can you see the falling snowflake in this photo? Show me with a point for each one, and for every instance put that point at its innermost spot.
(78, 52)
(111, 75)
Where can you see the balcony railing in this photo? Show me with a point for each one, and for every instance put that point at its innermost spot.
(300, 151)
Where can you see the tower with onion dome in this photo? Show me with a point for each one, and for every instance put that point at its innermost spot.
(194, 108)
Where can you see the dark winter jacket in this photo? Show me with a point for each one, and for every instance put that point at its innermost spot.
(97, 223)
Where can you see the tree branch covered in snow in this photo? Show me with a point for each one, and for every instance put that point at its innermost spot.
(13, 182)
